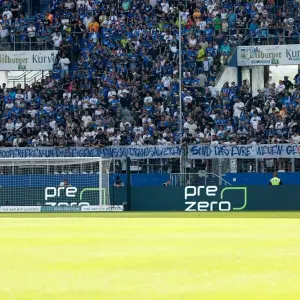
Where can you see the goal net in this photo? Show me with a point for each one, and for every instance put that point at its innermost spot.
(54, 184)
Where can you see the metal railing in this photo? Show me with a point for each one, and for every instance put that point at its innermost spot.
(19, 42)
(206, 171)
(159, 165)
(27, 78)
(275, 40)
(254, 165)
(200, 178)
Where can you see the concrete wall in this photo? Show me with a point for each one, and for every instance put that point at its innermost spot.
(257, 79)
(229, 74)
(278, 72)
(3, 77)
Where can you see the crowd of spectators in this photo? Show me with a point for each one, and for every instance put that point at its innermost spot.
(44, 115)
(13, 24)
(115, 80)
(73, 23)
(233, 116)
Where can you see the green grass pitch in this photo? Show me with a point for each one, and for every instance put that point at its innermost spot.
(150, 256)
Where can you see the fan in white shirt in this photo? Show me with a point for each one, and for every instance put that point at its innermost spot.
(31, 31)
(229, 128)
(136, 43)
(82, 139)
(88, 20)
(279, 124)
(7, 13)
(60, 132)
(64, 62)
(69, 5)
(214, 142)
(146, 119)
(19, 95)
(295, 138)
(86, 119)
(165, 7)
(184, 15)
(115, 139)
(161, 108)
(213, 91)
(10, 126)
(238, 108)
(89, 133)
(280, 87)
(18, 124)
(259, 6)
(27, 96)
(199, 135)
(53, 124)
(211, 6)
(75, 139)
(166, 81)
(213, 115)
(146, 135)
(254, 121)
(161, 141)
(99, 112)
(88, 6)
(30, 124)
(192, 41)
(167, 38)
(138, 129)
(79, 3)
(148, 99)
(209, 132)
(67, 94)
(111, 94)
(173, 48)
(187, 98)
(36, 141)
(190, 125)
(57, 39)
(256, 109)
(123, 125)
(93, 101)
(202, 25)
(43, 134)
(122, 93)
(137, 141)
(17, 140)
(110, 129)
(9, 105)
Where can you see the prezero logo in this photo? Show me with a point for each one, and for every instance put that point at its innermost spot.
(52, 192)
(211, 191)
(69, 192)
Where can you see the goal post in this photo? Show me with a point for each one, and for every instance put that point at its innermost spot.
(55, 184)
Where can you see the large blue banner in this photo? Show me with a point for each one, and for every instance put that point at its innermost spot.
(172, 151)
(135, 152)
(244, 151)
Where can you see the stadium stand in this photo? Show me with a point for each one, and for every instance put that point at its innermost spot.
(115, 79)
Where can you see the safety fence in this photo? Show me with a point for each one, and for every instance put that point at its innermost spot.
(217, 159)
(22, 42)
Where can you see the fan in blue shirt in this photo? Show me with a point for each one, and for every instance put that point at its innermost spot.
(210, 49)
(209, 33)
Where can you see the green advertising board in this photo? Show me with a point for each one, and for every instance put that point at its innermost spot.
(201, 199)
